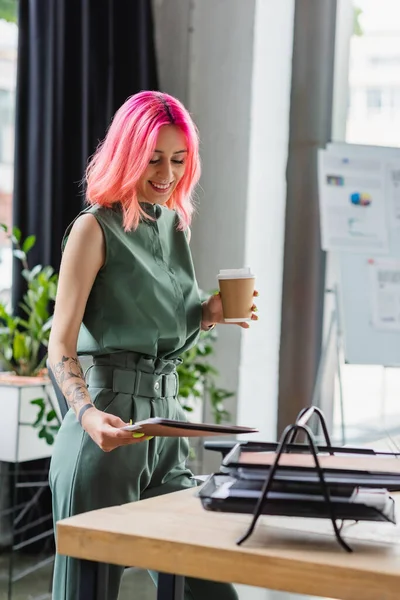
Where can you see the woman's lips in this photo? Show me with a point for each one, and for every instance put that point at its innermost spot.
(160, 188)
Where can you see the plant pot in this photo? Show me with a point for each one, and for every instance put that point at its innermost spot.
(19, 441)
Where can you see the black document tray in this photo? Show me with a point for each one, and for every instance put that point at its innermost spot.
(231, 465)
(315, 483)
(243, 499)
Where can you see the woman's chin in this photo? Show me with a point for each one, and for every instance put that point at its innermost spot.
(161, 199)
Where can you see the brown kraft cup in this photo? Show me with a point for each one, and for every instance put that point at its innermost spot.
(237, 294)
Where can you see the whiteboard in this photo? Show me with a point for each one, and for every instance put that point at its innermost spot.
(363, 343)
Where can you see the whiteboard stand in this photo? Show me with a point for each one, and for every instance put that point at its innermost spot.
(334, 334)
(383, 393)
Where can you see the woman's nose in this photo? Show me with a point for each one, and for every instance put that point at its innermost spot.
(165, 172)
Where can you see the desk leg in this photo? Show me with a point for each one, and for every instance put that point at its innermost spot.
(170, 587)
(93, 580)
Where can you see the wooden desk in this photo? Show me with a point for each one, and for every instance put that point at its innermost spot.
(174, 535)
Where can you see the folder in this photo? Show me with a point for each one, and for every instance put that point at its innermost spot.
(348, 467)
(170, 428)
(223, 493)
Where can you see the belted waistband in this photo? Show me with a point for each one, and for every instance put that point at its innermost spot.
(135, 360)
(136, 380)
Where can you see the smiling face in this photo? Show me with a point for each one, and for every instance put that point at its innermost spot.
(166, 167)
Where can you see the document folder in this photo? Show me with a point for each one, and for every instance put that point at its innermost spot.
(157, 426)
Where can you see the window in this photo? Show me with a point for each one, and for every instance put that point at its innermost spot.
(369, 87)
(395, 98)
(6, 127)
(374, 99)
(382, 61)
(8, 71)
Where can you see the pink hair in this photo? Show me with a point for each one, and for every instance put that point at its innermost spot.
(121, 159)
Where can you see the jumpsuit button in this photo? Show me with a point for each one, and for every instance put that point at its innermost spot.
(156, 385)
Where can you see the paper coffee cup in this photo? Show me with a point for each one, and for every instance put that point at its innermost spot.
(237, 294)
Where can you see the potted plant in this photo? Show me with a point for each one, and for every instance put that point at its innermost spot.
(198, 387)
(23, 342)
(198, 379)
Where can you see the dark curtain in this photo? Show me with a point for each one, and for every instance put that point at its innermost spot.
(78, 61)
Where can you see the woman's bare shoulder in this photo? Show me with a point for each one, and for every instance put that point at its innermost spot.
(86, 240)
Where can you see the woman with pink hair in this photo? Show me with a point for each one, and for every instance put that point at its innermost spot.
(128, 297)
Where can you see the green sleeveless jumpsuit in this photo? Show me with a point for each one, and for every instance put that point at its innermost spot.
(143, 311)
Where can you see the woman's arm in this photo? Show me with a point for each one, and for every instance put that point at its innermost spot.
(82, 259)
(83, 256)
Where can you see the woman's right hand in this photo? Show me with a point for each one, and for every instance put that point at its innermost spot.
(105, 430)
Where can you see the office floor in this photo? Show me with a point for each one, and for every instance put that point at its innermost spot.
(136, 585)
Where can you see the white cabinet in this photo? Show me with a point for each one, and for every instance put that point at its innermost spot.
(19, 441)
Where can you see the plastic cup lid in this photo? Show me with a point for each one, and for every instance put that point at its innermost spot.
(244, 273)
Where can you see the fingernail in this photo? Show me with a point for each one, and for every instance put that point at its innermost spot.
(130, 421)
(137, 435)
(150, 437)
(255, 309)
(256, 293)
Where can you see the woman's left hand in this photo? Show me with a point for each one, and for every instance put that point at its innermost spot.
(212, 312)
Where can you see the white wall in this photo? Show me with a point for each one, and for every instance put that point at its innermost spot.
(344, 30)
(237, 86)
(266, 199)
(220, 99)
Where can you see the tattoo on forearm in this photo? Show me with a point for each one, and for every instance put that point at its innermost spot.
(76, 392)
(68, 367)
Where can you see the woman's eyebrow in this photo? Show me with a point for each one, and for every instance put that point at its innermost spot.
(177, 152)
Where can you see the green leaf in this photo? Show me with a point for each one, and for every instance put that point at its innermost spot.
(25, 308)
(51, 415)
(17, 233)
(48, 324)
(48, 272)
(8, 10)
(38, 402)
(357, 29)
(20, 349)
(19, 254)
(23, 323)
(35, 271)
(49, 438)
(28, 243)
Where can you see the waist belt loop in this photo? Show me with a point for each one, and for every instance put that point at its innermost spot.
(136, 390)
(164, 381)
(169, 385)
